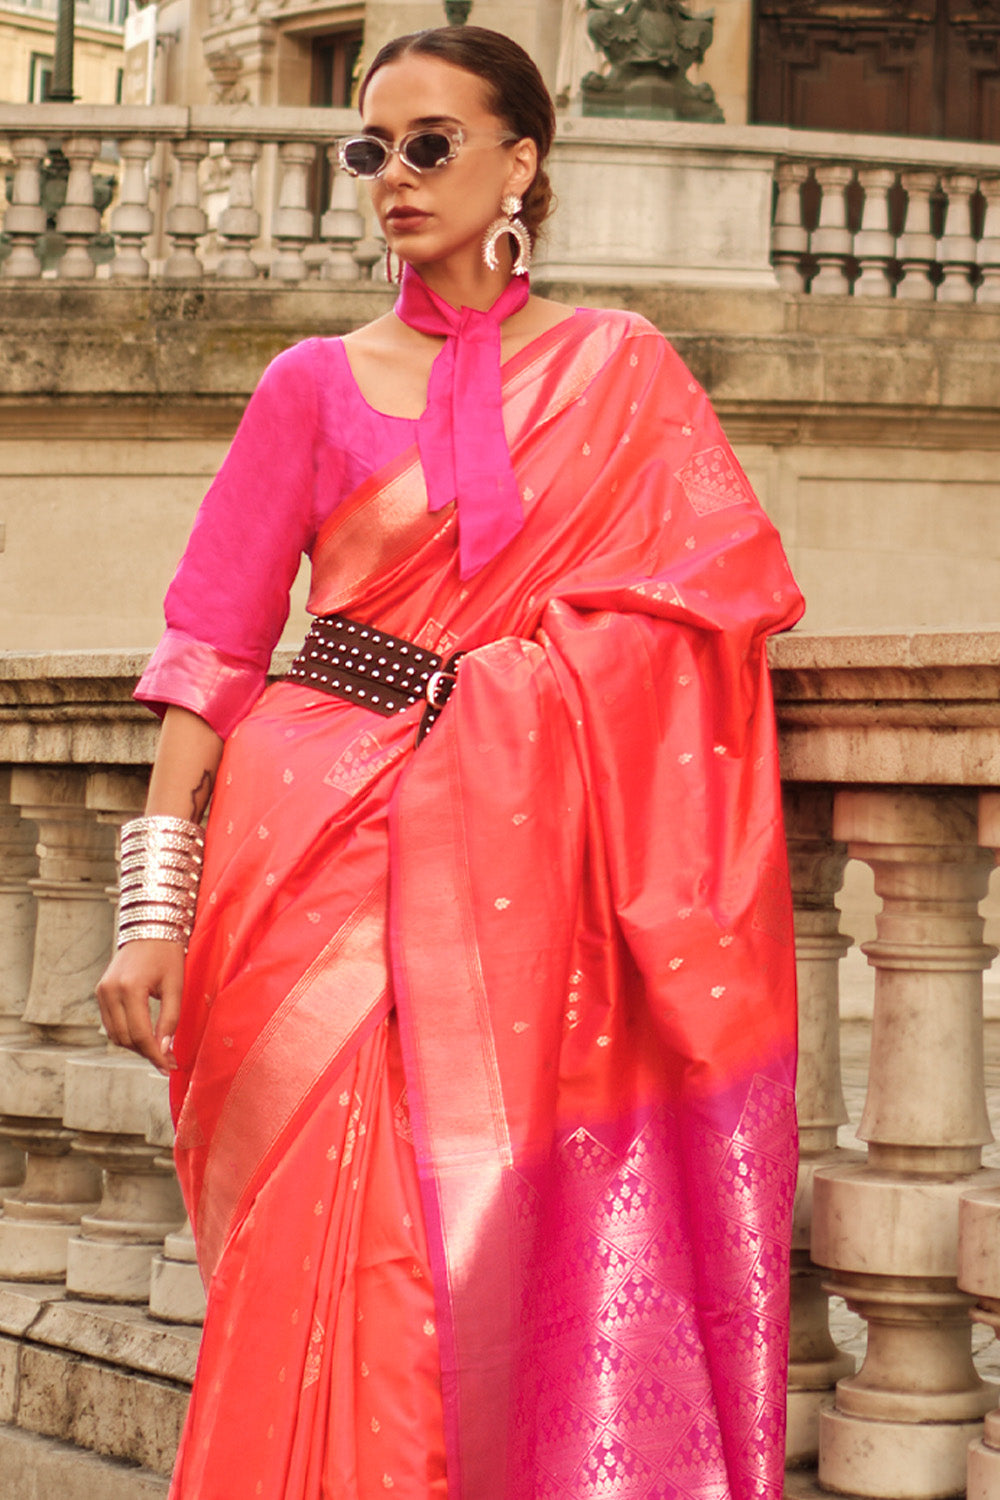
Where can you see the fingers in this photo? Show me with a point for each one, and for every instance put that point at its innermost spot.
(170, 1013)
(139, 972)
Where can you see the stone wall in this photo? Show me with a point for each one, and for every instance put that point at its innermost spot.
(871, 430)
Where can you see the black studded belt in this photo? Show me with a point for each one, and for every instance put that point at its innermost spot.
(374, 669)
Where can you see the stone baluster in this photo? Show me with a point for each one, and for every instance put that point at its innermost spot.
(186, 220)
(916, 247)
(78, 220)
(292, 224)
(73, 934)
(957, 247)
(132, 220)
(25, 218)
(789, 237)
(18, 864)
(105, 1102)
(988, 250)
(239, 221)
(888, 1228)
(176, 1294)
(817, 868)
(369, 253)
(831, 240)
(341, 226)
(978, 1242)
(874, 243)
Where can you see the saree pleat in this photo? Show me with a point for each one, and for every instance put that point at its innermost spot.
(336, 1394)
(562, 928)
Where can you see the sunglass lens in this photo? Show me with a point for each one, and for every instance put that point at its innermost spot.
(363, 156)
(427, 150)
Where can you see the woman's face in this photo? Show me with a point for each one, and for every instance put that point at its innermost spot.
(432, 216)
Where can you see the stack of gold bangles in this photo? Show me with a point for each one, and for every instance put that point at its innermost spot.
(161, 869)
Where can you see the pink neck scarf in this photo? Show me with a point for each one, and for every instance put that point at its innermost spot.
(460, 437)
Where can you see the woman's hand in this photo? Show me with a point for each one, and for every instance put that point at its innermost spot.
(187, 759)
(149, 968)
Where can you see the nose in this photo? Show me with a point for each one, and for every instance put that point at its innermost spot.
(397, 172)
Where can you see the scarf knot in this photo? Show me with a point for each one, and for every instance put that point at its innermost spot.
(460, 436)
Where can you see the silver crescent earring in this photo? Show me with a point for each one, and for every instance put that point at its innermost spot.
(506, 223)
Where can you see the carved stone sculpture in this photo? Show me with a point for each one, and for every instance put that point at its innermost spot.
(650, 45)
(228, 85)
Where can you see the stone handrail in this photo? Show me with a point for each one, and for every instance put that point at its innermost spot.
(916, 220)
(214, 151)
(890, 754)
(232, 192)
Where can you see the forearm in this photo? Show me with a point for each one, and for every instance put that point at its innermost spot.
(185, 767)
(152, 966)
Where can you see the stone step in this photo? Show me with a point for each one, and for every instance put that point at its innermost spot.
(38, 1468)
(103, 1408)
(106, 1383)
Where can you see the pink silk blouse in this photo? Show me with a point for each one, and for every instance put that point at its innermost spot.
(307, 439)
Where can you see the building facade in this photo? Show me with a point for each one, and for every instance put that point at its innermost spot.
(27, 50)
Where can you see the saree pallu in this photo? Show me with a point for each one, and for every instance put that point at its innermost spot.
(486, 1061)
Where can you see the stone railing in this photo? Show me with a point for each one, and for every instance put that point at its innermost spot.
(185, 194)
(890, 755)
(918, 220)
(236, 193)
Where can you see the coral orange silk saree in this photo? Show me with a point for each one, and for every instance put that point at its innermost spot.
(485, 1099)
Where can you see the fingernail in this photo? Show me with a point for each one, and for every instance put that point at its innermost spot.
(167, 1045)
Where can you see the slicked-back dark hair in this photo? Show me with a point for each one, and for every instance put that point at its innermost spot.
(515, 92)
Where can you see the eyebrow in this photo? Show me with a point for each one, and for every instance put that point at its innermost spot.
(423, 122)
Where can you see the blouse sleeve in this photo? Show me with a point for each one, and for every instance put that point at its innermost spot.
(229, 598)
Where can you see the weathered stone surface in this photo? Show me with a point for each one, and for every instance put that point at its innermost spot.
(107, 1093)
(114, 1270)
(20, 1303)
(107, 1410)
(920, 707)
(64, 708)
(35, 1468)
(979, 1237)
(201, 349)
(117, 1335)
(911, 1461)
(159, 1125)
(916, 706)
(31, 1079)
(869, 427)
(10, 1353)
(176, 1293)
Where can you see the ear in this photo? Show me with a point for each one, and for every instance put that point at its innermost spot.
(523, 166)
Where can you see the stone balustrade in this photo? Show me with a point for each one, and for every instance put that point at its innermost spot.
(187, 188)
(235, 193)
(890, 755)
(915, 220)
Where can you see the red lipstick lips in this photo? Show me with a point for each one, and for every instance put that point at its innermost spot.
(406, 218)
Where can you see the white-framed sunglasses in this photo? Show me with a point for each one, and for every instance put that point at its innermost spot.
(421, 150)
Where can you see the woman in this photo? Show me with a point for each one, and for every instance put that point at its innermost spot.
(483, 1076)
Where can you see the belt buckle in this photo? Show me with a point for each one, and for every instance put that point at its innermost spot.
(439, 682)
(437, 691)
